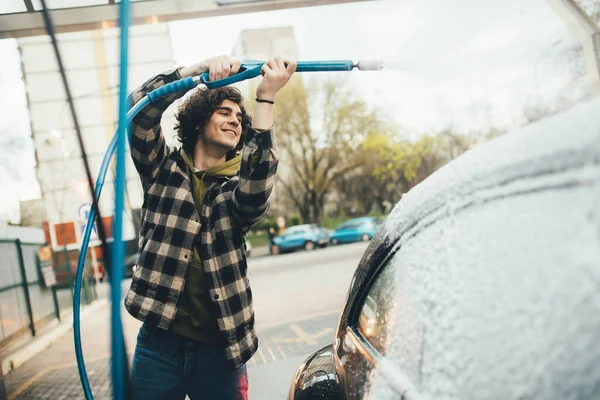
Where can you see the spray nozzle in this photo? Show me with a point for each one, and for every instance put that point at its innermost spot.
(369, 65)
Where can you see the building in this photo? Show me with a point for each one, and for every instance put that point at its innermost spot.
(265, 44)
(262, 44)
(91, 61)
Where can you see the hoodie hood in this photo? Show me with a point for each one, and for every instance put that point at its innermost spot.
(201, 180)
(227, 169)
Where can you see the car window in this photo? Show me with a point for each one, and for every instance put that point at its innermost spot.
(294, 230)
(377, 309)
(352, 224)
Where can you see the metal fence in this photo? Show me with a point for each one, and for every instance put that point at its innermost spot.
(25, 301)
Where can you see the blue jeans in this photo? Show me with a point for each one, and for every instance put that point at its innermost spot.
(169, 366)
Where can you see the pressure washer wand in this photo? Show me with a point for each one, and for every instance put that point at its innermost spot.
(319, 66)
(250, 69)
(325, 66)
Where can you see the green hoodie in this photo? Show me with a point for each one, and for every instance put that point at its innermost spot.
(195, 318)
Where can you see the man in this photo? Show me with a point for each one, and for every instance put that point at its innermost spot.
(271, 238)
(191, 289)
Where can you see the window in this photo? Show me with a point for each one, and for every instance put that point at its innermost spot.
(375, 316)
(351, 224)
(295, 230)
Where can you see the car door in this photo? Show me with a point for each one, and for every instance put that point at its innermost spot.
(296, 238)
(362, 347)
(347, 232)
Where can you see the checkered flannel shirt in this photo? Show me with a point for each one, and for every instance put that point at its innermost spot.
(171, 226)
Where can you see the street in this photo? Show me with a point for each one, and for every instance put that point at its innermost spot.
(297, 301)
(301, 284)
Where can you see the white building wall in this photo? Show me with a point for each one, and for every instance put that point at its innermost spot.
(91, 60)
(25, 234)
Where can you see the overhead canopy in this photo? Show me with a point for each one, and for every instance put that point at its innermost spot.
(19, 18)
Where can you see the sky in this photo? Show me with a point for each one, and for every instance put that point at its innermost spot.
(442, 58)
(466, 65)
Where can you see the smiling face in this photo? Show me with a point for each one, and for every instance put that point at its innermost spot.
(224, 128)
(208, 122)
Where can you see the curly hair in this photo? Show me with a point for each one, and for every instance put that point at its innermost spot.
(197, 110)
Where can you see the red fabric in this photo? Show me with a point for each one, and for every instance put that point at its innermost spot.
(244, 385)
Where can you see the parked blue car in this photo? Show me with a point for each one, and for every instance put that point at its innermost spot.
(355, 230)
(307, 237)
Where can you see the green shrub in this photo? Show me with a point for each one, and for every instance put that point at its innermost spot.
(258, 239)
(295, 220)
(264, 225)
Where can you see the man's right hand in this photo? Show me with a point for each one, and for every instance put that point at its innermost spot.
(217, 67)
(276, 74)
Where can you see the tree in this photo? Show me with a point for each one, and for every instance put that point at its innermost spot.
(319, 129)
(32, 213)
(566, 64)
(390, 166)
(439, 149)
(360, 193)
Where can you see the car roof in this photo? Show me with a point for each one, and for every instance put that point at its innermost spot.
(360, 219)
(303, 226)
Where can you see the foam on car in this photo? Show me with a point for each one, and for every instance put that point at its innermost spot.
(497, 277)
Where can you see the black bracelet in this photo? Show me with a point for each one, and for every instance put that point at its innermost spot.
(264, 101)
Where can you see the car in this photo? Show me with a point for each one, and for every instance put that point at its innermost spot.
(484, 280)
(355, 230)
(131, 264)
(307, 237)
(248, 248)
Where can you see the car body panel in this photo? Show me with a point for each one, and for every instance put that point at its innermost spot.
(248, 248)
(495, 272)
(318, 376)
(130, 264)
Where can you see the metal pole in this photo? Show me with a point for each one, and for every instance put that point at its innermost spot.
(25, 285)
(56, 306)
(52, 288)
(3, 394)
(86, 290)
(69, 272)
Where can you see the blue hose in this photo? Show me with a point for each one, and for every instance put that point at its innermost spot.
(119, 358)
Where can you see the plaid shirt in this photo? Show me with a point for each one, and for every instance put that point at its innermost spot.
(171, 226)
